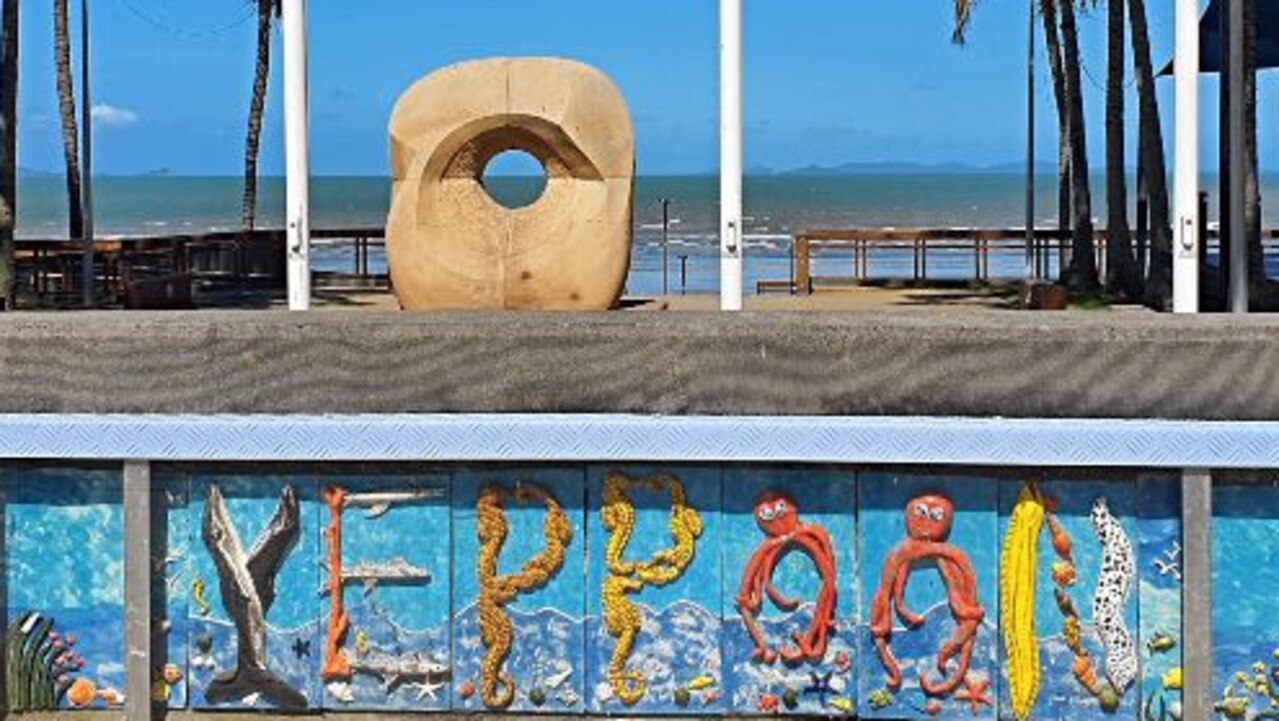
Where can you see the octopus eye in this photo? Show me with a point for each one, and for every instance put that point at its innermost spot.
(938, 514)
(779, 509)
(921, 510)
(766, 513)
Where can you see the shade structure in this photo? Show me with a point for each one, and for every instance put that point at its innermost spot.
(1210, 40)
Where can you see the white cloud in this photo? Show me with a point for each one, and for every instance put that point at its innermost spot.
(105, 114)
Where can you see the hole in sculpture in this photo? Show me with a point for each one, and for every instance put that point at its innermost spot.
(514, 179)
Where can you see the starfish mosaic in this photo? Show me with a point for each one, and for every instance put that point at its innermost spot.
(976, 692)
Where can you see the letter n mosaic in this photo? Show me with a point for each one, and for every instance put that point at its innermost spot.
(654, 590)
(790, 590)
(518, 587)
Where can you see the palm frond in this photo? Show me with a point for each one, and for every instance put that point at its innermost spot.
(273, 5)
(963, 14)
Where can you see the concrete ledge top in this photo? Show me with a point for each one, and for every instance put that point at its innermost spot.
(935, 361)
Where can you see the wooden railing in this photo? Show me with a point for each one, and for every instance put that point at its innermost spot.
(865, 242)
(163, 270)
(981, 244)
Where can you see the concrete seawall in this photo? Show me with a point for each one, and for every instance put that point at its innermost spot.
(941, 363)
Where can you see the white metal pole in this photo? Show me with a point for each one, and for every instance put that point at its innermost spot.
(297, 154)
(730, 155)
(1185, 262)
(1031, 267)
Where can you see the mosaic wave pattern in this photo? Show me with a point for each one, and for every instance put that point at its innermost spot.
(636, 590)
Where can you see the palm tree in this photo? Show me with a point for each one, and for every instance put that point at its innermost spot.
(1150, 144)
(1121, 275)
(1052, 43)
(66, 106)
(1065, 147)
(268, 11)
(8, 149)
(1081, 275)
(1251, 188)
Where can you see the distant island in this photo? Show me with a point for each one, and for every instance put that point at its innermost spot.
(894, 167)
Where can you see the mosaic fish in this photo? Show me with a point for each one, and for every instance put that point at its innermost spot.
(842, 705)
(371, 573)
(701, 682)
(1160, 643)
(1114, 584)
(395, 669)
(377, 504)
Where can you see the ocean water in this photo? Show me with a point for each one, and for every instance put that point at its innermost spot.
(776, 206)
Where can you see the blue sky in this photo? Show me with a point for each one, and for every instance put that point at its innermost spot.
(827, 81)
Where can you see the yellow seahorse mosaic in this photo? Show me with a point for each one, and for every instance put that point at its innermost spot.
(497, 689)
(621, 617)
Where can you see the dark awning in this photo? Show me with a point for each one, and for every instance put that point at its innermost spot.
(1210, 37)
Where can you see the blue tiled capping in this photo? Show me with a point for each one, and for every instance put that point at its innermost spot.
(1085, 443)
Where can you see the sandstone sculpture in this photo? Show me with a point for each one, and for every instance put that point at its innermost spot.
(452, 246)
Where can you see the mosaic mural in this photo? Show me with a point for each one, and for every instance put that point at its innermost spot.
(1068, 601)
(638, 589)
(1245, 643)
(64, 564)
(520, 603)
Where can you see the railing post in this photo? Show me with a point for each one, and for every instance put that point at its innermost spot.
(1196, 614)
(1223, 254)
(803, 283)
(137, 590)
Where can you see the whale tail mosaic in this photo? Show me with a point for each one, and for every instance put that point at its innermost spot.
(248, 581)
(635, 590)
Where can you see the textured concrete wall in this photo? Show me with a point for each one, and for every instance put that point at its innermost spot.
(893, 363)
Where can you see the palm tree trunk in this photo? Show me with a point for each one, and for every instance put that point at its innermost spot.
(1081, 276)
(1121, 275)
(66, 106)
(1251, 186)
(253, 142)
(1052, 43)
(8, 150)
(1158, 292)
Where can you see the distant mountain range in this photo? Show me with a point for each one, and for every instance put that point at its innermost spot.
(903, 168)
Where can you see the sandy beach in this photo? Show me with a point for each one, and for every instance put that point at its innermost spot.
(851, 299)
